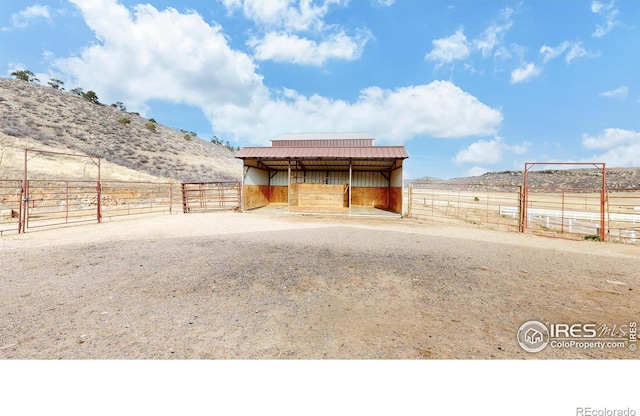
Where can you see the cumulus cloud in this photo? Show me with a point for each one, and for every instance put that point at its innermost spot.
(439, 109)
(525, 73)
(620, 92)
(449, 49)
(488, 152)
(610, 14)
(457, 47)
(23, 18)
(284, 47)
(610, 138)
(621, 147)
(290, 15)
(137, 59)
(295, 31)
(477, 171)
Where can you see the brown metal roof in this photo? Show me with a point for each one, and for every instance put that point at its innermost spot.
(323, 143)
(364, 152)
(323, 136)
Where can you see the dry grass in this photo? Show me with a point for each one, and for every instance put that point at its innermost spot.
(39, 117)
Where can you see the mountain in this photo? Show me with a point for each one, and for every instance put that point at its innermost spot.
(130, 147)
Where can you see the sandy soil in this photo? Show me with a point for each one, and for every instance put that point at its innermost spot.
(262, 286)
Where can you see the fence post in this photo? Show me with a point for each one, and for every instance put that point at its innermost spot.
(99, 201)
(410, 198)
(522, 209)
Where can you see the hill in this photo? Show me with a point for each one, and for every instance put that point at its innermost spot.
(617, 178)
(131, 147)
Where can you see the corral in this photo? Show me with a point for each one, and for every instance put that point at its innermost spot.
(258, 286)
(440, 282)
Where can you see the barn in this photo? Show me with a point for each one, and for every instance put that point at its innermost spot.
(344, 173)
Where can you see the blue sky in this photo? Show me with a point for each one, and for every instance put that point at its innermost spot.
(467, 86)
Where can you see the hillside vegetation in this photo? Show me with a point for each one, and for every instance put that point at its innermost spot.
(131, 147)
(617, 178)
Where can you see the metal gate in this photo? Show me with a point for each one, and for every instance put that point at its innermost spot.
(208, 196)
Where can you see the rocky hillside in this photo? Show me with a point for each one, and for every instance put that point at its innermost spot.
(617, 178)
(43, 118)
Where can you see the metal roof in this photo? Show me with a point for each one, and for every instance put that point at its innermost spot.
(323, 143)
(324, 136)
(363, 152)
(363, 158)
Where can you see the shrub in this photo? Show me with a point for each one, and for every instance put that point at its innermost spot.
(151, 126)
(125, 120)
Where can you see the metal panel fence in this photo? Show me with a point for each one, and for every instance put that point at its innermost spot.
(56, 202)
(209, 196)
(48, 203)
(473, 203)
(623, 215)
(10, 198)
(557, 212)
(134, 198)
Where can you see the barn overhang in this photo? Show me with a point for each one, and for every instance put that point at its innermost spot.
(317, 177)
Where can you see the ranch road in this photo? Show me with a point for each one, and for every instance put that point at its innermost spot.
(263, 286)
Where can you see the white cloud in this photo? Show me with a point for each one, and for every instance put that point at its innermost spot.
(573, 50)
(439, 109)
(620, 92)
(290, 15)
(23, 18)
(492, 35)
(610, 138)
(477, 171)
(138, 60)
(457, 47)
(525, 73)
(610, 14)
(449, 49)
(578, 51)
(622, 147)
(550, 53)
(283, 47)
(280, 24)
(488, 152)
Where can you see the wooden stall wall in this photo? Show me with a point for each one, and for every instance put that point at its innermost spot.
(395, 200)
(278, 194)
(370, 197)
(255, 196)
(321, 197)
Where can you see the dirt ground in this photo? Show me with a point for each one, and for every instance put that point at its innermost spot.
(264, 286)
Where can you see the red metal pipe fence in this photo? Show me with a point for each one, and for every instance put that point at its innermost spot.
(208, 196)
(574, 213)
(496, 205)
(10, 205)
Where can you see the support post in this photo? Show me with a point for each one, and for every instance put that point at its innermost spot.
(289, 186)
(603, 202)
(350, 176)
